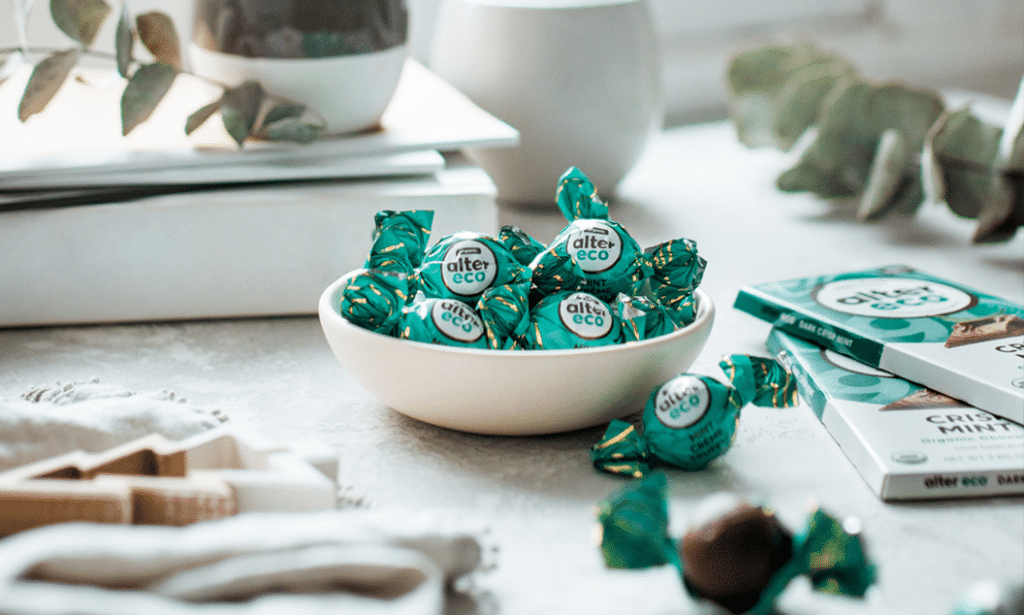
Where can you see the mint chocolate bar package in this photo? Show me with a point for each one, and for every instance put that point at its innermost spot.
(907, 441)
(940, 334)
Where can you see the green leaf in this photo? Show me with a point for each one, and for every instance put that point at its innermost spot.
(997, 221)
(283, 111)
(79, 19)
(891, 165)
(798, 102)
(959, 153)
(157, 33)
(46, 80)
(293, 129)
(199, 118)
(143, 93)
(124, 40)
(240, 108)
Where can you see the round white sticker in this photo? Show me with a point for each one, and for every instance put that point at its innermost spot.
(682, 401)
(456, 320)
(595, 245)
(892, 297)
(585, 315)
(469, 267)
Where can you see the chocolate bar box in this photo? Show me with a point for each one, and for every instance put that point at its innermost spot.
(907, 441)
(940, 334)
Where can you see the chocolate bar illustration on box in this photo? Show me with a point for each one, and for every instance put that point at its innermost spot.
(906, 441)
(953, 339)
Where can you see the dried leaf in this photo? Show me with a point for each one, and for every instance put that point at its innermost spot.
(46, 80)
(10, 64)
(124, 40)
(199, 117)
(79, 19)
(157, 33)
(143, 93)
(240, 108)
(293, 129)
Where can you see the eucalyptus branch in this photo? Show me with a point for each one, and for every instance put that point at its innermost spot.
(247, 110)
(891, 145)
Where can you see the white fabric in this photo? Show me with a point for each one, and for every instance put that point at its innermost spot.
(356, 562)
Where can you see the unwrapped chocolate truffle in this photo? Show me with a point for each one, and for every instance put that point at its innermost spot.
(741, 558)
(691, 420)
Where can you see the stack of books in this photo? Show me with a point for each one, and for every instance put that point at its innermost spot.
(159, 225)
(919, 380)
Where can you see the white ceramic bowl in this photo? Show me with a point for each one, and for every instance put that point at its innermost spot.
(350, 92)
(510, 392)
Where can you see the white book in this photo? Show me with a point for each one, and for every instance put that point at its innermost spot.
(218, 253)
(79, 133)
(907, 441)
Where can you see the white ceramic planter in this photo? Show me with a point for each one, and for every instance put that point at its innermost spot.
(350, 92)
(579, 79)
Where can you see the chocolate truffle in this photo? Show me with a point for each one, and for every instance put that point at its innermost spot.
(731, 559)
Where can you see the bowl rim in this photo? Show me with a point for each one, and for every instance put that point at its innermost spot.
(703, 318)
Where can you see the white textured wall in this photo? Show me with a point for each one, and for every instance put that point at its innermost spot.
(961, 44)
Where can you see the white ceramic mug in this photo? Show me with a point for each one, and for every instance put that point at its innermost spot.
(579, 79)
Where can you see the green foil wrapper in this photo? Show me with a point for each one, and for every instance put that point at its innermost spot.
(634, 526)
(691, 420)
(830, 553)
(462, 266)
(448, 322)
(658, 320)
(576, 320)
(399, 240)
(374, 300)
(611, 261)
(555, 270)
(523, 247)
(505, 311)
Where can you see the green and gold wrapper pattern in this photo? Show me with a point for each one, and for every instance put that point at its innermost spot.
(691, 420)
(577, 320)
(399, 240)
(658, 320)
(611, 261)
(830, 553)
(634, 526)
(522, 246)
(463, 265)
(448, 322)
(374, 300)
(505, 312)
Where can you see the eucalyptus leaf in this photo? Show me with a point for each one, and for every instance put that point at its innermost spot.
(240, 109)
(892, 163)
(293, 129)
(157, 33)
(79, 19)
(283, 111)
(124, 40)
(798, 102)
(961, 149)
(46, 80)
(144, 91)
(198, 118)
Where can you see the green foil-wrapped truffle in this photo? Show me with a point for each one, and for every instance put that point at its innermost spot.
(448, 322)
(691, 420)
(463, 265)
(741, 557)
(577, 320)
(399, 240)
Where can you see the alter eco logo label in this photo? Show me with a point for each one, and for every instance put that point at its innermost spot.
(456, 320)
(595, 246)
(469, 267)
(682, 401)
(892, 298)
(585, 315)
